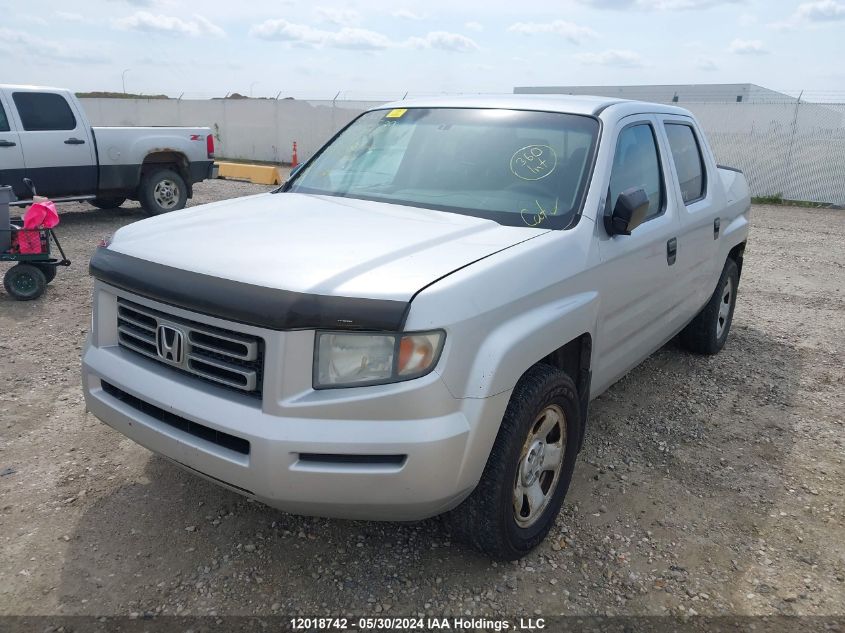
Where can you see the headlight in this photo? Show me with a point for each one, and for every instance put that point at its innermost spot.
(354, 359)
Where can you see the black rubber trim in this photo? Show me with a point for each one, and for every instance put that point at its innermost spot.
(345, 458)
(231, 442)
(241, 302)
(739, 171)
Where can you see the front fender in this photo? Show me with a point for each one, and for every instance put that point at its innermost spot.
(513, 346)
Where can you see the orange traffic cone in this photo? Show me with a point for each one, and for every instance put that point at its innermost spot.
(294, 160)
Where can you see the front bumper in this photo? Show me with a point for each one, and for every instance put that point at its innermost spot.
(402, 452)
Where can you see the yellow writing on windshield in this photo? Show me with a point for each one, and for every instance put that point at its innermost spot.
(535, 219)
(533, 162)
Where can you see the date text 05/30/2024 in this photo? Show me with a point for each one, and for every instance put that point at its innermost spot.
(416, 624)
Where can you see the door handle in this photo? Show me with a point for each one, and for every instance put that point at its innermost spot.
(672, 250)
(717, 224)
(74, 141)
(5, 143)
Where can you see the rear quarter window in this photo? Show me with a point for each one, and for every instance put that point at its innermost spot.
(43, 111)
(4, 122)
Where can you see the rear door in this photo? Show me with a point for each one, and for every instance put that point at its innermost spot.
(57, 146)
(698, 204)
(11, 154)
(638, 273)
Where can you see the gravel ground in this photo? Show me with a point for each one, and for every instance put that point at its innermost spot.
(706, 485)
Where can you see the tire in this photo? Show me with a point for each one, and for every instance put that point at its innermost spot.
(107, 203)
(24, 282)
(162, 191)
(48, 271)
(708, 331)
(497, 517)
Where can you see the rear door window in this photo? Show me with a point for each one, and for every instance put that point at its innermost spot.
(689, 163)
(42, 111)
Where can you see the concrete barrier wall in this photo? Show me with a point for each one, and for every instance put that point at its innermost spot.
(254, 129)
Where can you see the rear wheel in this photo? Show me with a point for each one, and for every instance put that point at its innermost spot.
(708, 331)
(24, 282)
(107, 203)
(162, 190)
(529, 468)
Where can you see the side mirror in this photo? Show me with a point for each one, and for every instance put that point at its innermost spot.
(31, 186)
(628, 212)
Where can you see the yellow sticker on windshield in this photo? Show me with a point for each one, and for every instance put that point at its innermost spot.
(395, 113)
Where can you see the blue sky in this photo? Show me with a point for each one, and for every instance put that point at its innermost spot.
(369, 49)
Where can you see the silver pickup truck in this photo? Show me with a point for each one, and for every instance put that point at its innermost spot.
(415, 323)
(45, 136)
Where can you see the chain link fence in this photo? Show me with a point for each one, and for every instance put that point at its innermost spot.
(795, 150)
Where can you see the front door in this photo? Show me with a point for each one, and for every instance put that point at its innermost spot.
(57, 146)
(11, 154)
(638, 269)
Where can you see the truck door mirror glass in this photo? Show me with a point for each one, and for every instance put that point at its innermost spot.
(295, 171)
(628, 213)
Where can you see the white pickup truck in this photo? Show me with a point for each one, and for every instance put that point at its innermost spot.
(45, 136)
(416, 321)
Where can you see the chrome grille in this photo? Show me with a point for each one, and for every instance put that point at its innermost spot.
(221, 356)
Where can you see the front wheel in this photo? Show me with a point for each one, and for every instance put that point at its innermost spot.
(529, 468)
(162, 190)
(24, 282)
(708, 331)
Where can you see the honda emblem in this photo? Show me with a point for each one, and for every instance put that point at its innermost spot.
(170, 344)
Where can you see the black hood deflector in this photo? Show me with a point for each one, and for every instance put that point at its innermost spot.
(269, 308)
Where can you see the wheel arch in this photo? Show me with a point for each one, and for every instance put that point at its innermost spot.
(168, 158)
(736, 254)
(574, 358)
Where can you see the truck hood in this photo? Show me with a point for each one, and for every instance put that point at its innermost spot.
(321, 245)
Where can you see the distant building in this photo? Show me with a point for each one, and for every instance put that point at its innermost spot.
(671, 93)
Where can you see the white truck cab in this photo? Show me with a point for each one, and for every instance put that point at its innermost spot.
(416, 321)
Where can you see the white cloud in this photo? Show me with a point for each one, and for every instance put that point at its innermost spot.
(69, 17)
(406, 14)
(356, 39)
(821, 11)
(341, 17)
(359, 39)
(445, 41)
(659, 5)
(706, 63)
(621, 58)
(14, 42)
(347, 37)
(474, 26)
(747, 47)
(146, 22)
(569, 30)
(812, 14)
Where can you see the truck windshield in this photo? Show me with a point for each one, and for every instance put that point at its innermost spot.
(516, 167)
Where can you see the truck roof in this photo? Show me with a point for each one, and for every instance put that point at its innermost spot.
(31, 87)
(571, 104)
